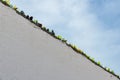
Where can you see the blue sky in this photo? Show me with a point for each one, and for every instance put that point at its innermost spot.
(92, 25)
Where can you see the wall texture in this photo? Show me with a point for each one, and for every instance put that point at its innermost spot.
(28, 53)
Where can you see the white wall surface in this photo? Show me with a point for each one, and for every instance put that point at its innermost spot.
(28, 53)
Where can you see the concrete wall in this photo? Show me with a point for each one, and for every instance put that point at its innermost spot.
(28, 53)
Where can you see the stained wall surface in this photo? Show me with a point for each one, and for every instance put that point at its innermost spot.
(28, 53)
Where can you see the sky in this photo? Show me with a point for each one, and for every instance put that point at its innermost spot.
(92, 25)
